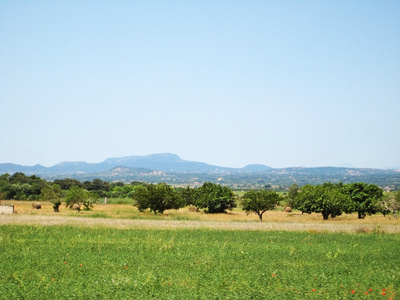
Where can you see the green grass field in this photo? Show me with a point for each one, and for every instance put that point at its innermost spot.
(62, 262)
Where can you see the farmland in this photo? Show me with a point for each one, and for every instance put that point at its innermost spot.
(115, 251)
(59, 262)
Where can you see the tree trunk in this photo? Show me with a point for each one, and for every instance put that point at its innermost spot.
(260, 216)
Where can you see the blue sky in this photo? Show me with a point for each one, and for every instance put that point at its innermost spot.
(230, 83)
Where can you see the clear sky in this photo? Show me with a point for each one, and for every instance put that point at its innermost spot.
(230, 83)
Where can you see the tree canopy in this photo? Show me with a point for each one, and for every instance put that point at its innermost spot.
(259, 202)
(76, 195)
(157, 198)
(52, 193)
(326, 199)
(214, 198)
(365, 196)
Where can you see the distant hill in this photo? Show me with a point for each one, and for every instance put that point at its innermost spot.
(170, 168)
(159, 162)
(163, 162)
(255, 168)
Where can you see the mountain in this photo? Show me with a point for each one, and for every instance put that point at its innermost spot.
(159, 162)
(163, 162)
(255, 168)
(170, 168)
(13, 168)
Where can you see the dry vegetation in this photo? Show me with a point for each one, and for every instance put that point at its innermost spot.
(127, 216)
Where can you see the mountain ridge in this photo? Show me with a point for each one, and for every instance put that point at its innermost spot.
(166, 162)
(158, 162)
(170, 168)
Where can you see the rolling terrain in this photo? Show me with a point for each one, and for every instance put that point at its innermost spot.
(170, 168)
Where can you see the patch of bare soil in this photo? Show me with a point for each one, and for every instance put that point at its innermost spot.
(46, 220)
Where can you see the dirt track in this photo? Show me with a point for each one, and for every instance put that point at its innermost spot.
(42, 220)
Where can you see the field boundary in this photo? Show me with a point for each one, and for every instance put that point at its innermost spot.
(43, 220)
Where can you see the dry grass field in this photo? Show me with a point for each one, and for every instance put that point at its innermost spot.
(127, 216)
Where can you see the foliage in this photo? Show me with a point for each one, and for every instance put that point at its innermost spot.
(292, 194)
(68, 183)
(21, 187)
(259, 202)
(76, 196)
(157, 198)
(214, 198)
(365, 196)
(390, 203)
(187, 195)
(90, 200)
(326, 199)
(53, 194)
(61, 262)
(97, 186)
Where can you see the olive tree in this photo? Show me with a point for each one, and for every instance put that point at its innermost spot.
(390, 203)
(76, 196)
(52, 193)
(259, 202)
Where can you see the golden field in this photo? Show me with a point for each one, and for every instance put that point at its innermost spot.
(127, 216)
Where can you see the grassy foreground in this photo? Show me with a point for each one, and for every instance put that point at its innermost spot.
(64, 262)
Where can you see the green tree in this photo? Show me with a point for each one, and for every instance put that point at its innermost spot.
(326, 199)
(365, 196)
(18, 177)
(157, 198)
(214, 198)
(98, 186)
(76, 195)
(21, 187)
(52, 193)
(259, 202)
(68, 183)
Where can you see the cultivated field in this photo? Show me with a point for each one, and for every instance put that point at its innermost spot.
(115, 252)
(72, 262)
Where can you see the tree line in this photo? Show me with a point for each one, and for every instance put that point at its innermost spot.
(329, 199)
(332, 200)
(22, 187)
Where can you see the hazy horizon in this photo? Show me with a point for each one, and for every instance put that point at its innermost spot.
(81, 161)
(282, 84)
